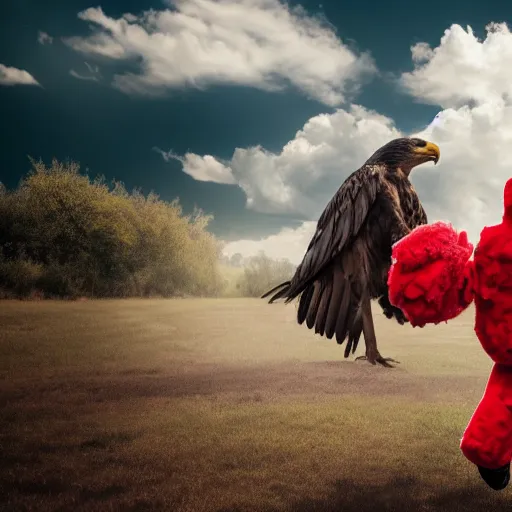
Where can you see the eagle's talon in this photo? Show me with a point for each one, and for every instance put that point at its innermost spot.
(384, 361)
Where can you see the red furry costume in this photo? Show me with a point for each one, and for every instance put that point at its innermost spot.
(432, 280)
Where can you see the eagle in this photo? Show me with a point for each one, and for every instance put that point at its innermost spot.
(347, 261)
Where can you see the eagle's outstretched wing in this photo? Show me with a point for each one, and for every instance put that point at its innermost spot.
(333, 274)
(337, 227)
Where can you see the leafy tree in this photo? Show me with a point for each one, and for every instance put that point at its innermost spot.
(262, 273)
(68, 235)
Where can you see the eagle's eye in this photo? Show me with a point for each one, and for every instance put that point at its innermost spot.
(419, 143)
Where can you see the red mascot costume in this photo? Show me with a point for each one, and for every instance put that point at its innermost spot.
(432, 280)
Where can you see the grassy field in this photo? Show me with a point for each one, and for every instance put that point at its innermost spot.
(228, 405)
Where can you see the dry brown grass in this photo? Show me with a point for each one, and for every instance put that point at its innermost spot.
(228, 405)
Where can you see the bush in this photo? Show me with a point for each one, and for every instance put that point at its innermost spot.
(261, 273)
(20, 277)
(68, 235)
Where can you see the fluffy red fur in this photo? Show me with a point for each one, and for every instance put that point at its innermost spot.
(432, 279)
(429, 272)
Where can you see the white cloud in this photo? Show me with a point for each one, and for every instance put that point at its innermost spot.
(201, 168)
(421, 52)
(98, 44)
(259, 43)
(302, 177)
(44, 38)
(289, 243)
(15, 76)
(468, 79)
(466, 187)
(472, 80)
(305, 174)
(463, 69)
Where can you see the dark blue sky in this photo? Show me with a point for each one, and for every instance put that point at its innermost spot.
(113, 134)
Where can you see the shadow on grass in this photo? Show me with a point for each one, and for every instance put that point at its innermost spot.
(400, 494)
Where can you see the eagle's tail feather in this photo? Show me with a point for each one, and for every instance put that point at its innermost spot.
(345, 316)
(304, 303)
(313, 304)
(323, 308)
(354, 333)
(281, 289)
(332, 303)
(338, 303)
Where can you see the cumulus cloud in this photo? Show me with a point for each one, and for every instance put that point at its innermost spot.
(259, 43)
(470, 79)
(44, 38)
(289, 243)
(465, 188)
(201, 168)
(15, 76)
(304, 175)
(306, 172)
(462, 69)
(473, 130)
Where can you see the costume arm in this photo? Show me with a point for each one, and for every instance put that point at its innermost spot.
(487, 440)
(431, 279)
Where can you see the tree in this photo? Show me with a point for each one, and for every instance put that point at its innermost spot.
(262, 273)
(87, 238)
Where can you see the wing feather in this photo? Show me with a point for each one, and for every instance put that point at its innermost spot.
(304, 304)
(345, 315)
(315, 302)
(331, 278)
(323, 308)
(347, 257)
(337, 227)
(338, 293)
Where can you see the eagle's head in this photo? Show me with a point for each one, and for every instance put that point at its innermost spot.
(405, 154)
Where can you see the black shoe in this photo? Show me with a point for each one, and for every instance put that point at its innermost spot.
(497, 479)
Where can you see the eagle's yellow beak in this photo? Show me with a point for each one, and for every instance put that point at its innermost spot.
(430, 151)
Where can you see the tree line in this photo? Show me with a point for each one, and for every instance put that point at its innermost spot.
(63, 234)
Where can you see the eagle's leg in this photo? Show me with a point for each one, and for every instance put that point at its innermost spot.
(372, 354)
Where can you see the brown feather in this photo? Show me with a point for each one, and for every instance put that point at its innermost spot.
(304, 303)
(281, 290)
(345, 316)
(354, 334)
(338, 288)
(313, 307)
(323, 308)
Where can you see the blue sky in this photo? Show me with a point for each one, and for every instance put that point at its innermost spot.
(203, 99)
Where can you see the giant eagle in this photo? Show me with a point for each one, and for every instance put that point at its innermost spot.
(347, 261)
